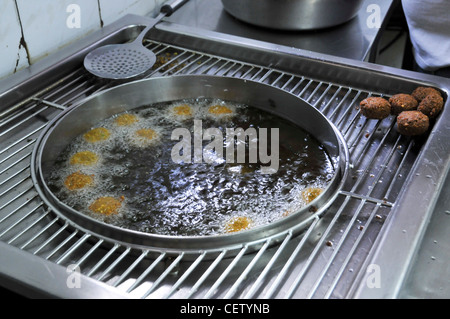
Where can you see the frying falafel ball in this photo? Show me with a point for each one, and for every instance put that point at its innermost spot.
(431, 105)
(402, 102)
(97, 134)
(412, 123)
(375, 108)
(421, 92)
(144, 137)
(309, 194)
(78, 180)
(106, 205)
(126, 119)
(183, 110)
(219, 110)
(84, 158)
(237, 224)
(146, 133)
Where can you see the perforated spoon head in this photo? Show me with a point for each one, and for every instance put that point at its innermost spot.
(119, 61)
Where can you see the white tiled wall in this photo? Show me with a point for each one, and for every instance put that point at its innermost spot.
(32, 29)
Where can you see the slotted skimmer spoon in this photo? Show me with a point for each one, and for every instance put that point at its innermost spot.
(129, 60)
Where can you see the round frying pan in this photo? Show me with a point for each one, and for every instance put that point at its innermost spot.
(78, 119)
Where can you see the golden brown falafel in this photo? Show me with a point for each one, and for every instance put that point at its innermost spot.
(97, 134)
(375, 108)
(84, 158)
(146, 133)
(183, 110)
(106, 205)
(78, 180)
(412, 123)
(310, 193)
(219, 110)
(402, 102)
(237, 224)
(126, 119)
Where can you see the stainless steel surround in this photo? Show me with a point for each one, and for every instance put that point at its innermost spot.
(395, 190)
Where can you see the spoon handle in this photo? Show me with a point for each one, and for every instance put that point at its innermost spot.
(165, 11)
(170, 8)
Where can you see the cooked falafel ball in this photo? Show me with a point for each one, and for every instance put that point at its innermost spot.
(237, 224)
(183, 110)
(309, 194)
(431, 105)
(402, 102)
(78, 180)
(84, 158)
(106, 205)
(219, 110)
(412, 123)
(97, 134)
(126, 119)
(146, 133)
(144, 137)
(421, 92)
(375, 108)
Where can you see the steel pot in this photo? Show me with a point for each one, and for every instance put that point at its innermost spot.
(293, 14)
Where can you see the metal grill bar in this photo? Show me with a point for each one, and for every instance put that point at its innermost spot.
(247, 270)
(61, 244)
(21, 219)
(16, 125)
(359, 238)
(335, 251)
(41, 232)
(269, 265)
(51, 238)
(103, 260)
(289, 263)
(89, 253)
(205, 275)
(18, 141)
(29, 227)
(20, 195)
(9, 167)
(227, 271)
(115, 263)
(128, 271)
(185, 275)
(74, 247)
(142, 277)
(347, 258)
(163, 275)
(12, 187)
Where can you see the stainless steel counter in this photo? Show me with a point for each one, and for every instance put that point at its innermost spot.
(391, 217)
(354, 39)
